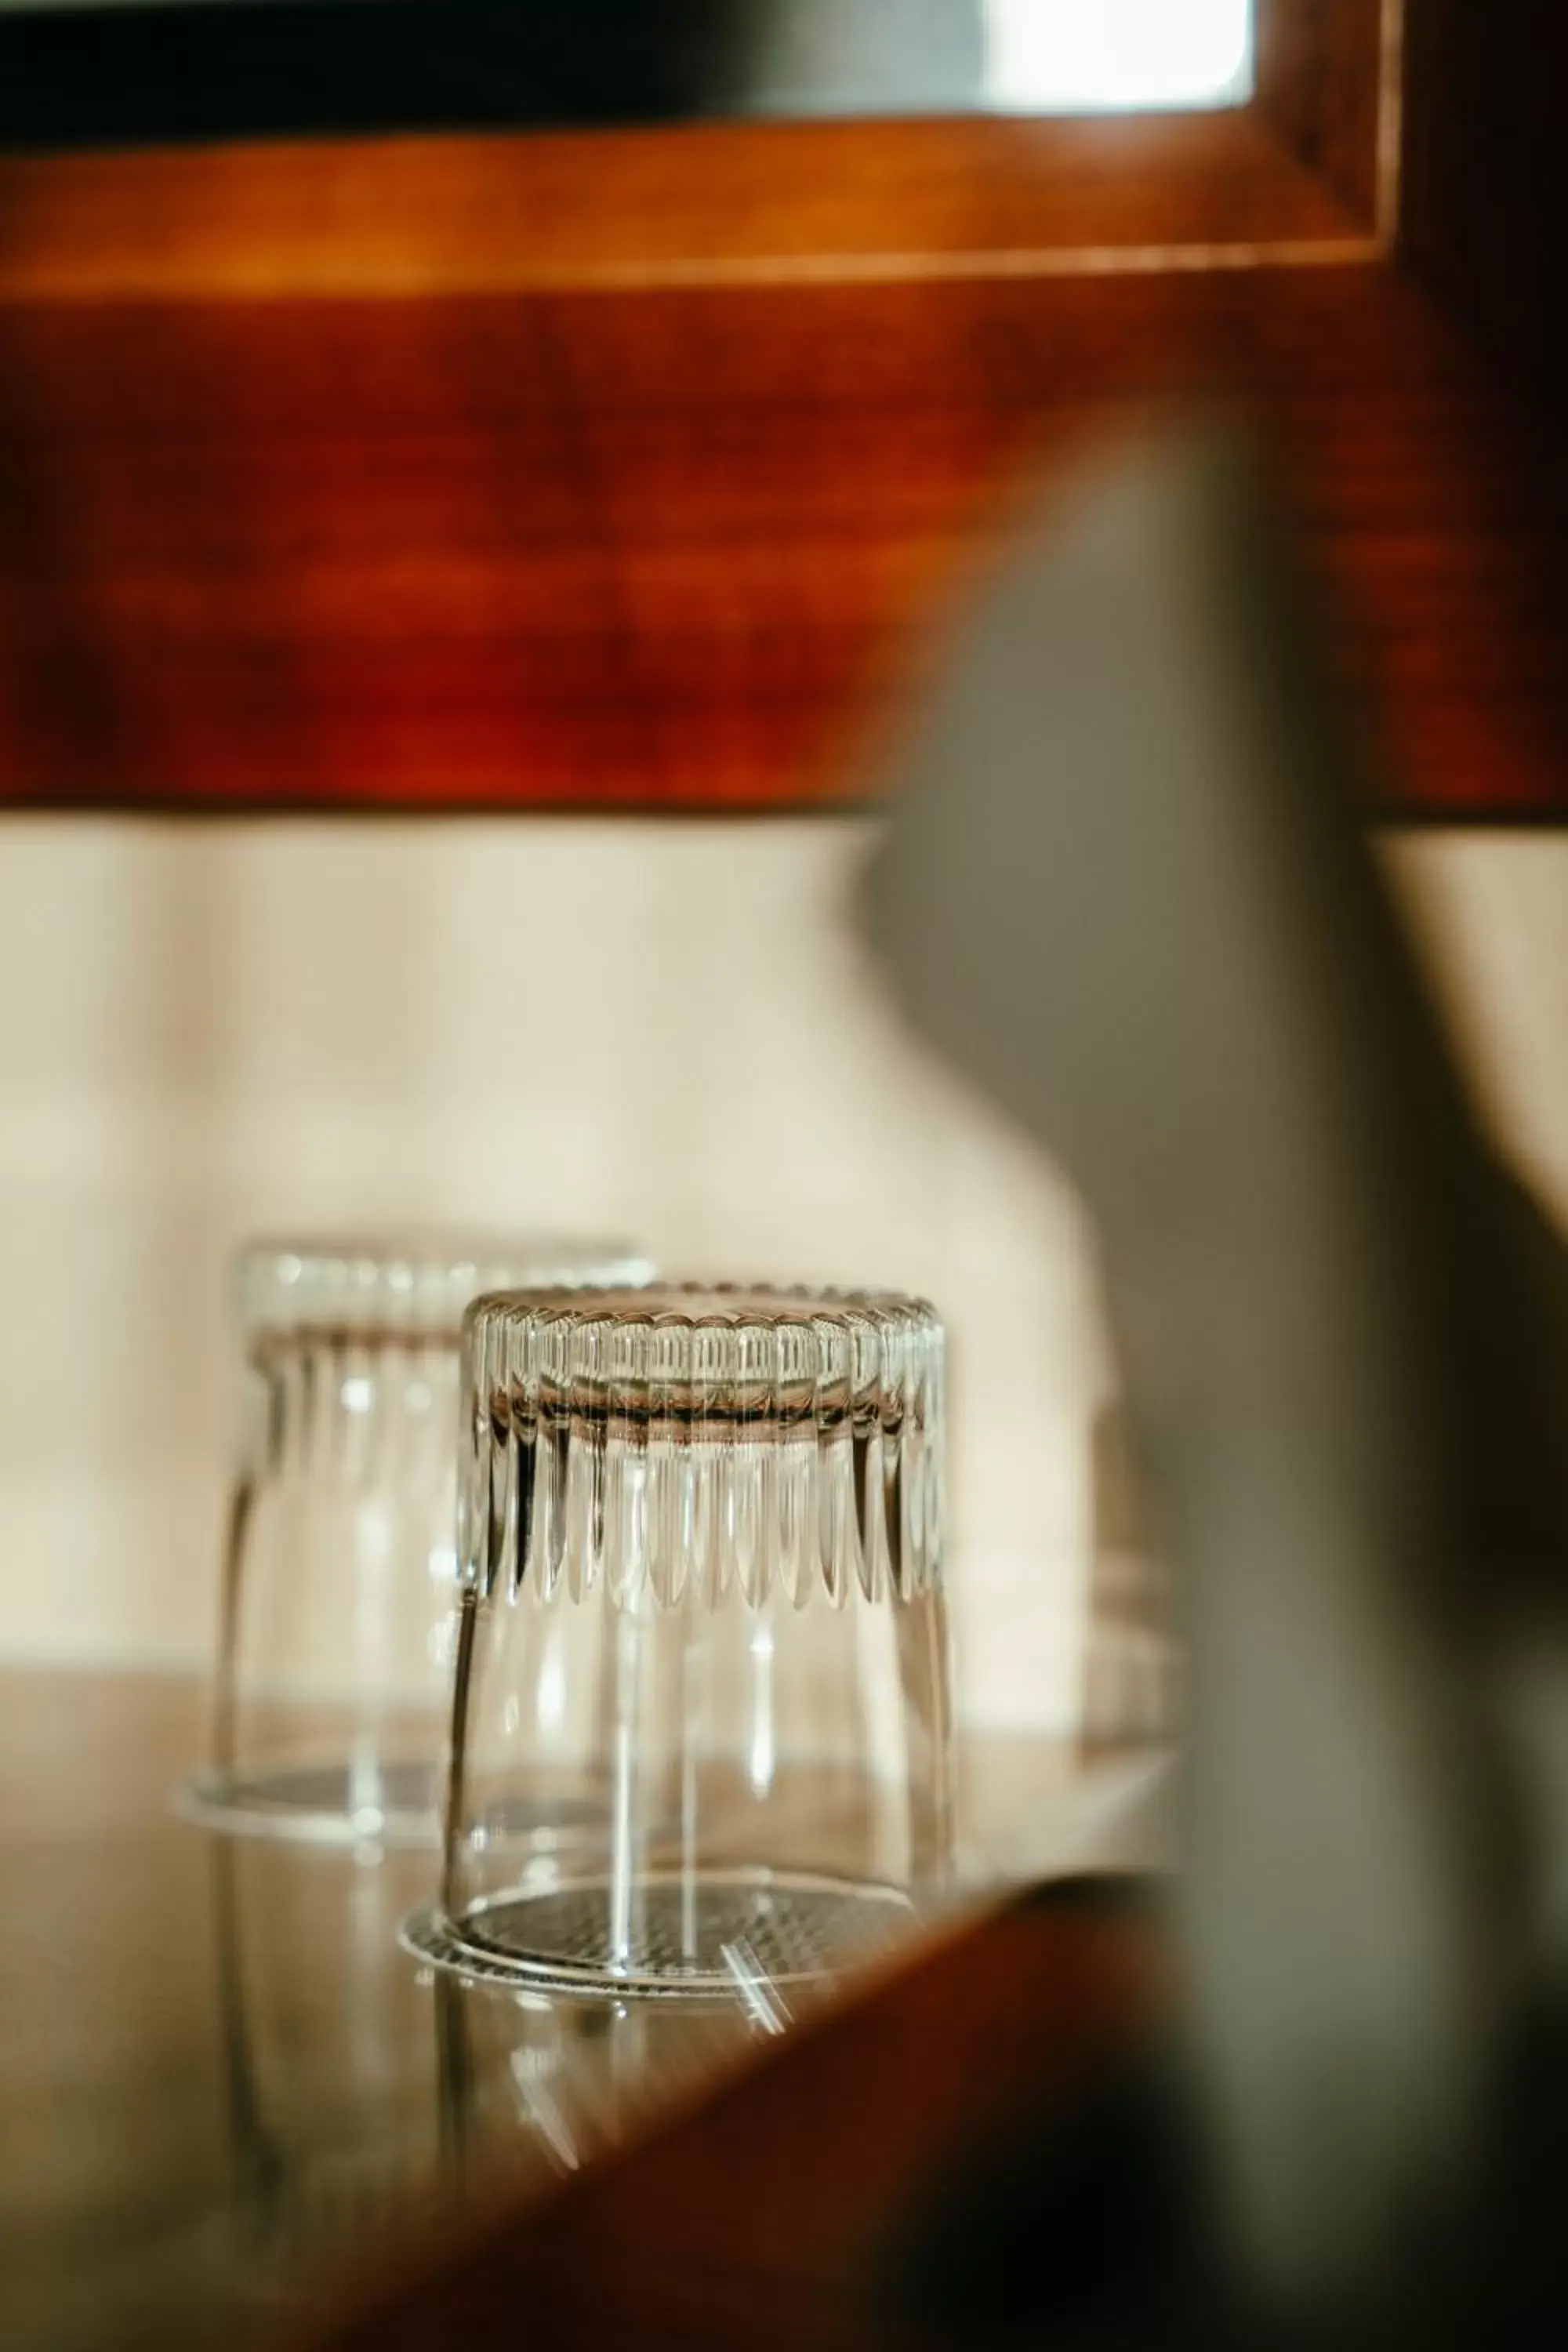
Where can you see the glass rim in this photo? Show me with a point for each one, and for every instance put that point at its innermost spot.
(700, 1358)
(416, 1277)
(662, 1305)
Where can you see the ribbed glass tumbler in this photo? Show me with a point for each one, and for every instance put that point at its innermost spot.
(339, 1585)
(703, 1636)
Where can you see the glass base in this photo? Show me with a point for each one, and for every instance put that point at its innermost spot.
(321, 1803)
(330, 1802)
(704, 1936)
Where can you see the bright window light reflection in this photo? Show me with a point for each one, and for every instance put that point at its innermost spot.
(551, 1691)
(761, 1773)
(1062, 55)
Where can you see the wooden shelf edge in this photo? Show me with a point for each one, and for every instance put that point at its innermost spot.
(721, 204)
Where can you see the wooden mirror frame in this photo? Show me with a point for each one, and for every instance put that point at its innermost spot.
(624, 469)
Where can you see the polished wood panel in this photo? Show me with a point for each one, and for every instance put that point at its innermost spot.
(705, 204)
(717, 201)
(636, 469)
(676, 551)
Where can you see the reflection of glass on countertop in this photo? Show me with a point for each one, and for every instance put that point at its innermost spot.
(575, 2079)
(225, 2083)
(359, 2085)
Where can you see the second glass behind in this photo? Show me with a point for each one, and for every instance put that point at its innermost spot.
(703, 1638)
(340, 1582)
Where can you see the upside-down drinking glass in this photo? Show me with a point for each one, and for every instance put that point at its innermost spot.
(339, 1589)
(702, 1642)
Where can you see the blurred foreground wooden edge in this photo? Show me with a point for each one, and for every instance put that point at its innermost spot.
(759, 2218)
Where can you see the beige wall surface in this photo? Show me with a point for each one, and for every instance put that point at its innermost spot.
(206, 1029)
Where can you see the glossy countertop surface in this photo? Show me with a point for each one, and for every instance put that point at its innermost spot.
(223, 2085)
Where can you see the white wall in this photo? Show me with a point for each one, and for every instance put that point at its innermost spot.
(1492, 911)
(209, 1028)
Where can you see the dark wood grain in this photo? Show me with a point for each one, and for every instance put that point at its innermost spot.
(1484, 237)
(637, 469)
(1327, 76)
(676, 551)
(1485, 226)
